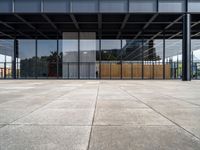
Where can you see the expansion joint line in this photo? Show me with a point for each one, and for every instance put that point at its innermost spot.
(162, 115)
(91, 130)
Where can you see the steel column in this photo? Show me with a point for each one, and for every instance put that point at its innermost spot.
(79, 55)
(164, 63)
(14, 59)
(142, 58)
(186, 52)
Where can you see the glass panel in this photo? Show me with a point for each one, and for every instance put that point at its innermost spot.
(153, 59)
(47, 58)
(193, 6)
(173, 58)
(111, 59)
(113, 5)
(142, 5)
(5, 5)
(6, 58)
(84, 6)
(27, 6)
(56, 6)
(171, 5)
(70, 55)
(88, 48)
(158, 59)
(26, 58)
(195, 58)
(132, 59)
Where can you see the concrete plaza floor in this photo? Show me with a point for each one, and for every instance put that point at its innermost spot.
(99, 115)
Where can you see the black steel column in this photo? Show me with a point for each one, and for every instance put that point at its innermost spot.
(57, 59)
(36, 61)
(164, 63)
(79, 55)
(14, 59)
(121, 53)
(142, 58)
(186, 53)
(99, 58)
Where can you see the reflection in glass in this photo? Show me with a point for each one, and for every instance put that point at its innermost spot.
(26, 58)
(132, 59)
(88, 48)
(195, 46)
(6, 58)
(111, 59)
(70, 55)
(47, 58)
(173, 57)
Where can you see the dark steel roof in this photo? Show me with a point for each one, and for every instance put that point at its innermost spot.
(107, 25)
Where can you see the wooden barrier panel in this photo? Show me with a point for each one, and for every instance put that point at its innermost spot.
(126, 71)
(137, 71)
(115, 70)
(134, 71)
(105, 71)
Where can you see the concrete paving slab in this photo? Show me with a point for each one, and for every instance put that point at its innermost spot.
(182, 116)
(10, 115)
(20, 137)
(142, 138)
(120, 104)
(129, 117)
(68, 117)
(23, 104)
(2, 125)
(193, 101)
(172, 104)
(193, 129)
(121, 120)
(72, 104)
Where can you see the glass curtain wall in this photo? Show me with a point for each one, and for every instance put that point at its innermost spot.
(195, 58)
(81, 55)
(153, 59)
(88, 47)
(173, 57)
(110, 59)
(132, 59)
(70, 58)
(46, 59)
(26, 62)
(6, 58)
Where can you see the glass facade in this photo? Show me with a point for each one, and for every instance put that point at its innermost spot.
(26, 65)
(173, 57)
(81, 55)
(195, 58)
(6, 58)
